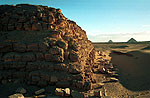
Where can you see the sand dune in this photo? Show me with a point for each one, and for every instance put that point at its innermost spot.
(134, 69)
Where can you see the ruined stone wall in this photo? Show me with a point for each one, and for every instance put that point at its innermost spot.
(39, 46)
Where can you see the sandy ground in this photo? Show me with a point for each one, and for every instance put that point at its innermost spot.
(134, 70)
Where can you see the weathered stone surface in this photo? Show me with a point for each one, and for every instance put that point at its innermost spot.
(40, 46)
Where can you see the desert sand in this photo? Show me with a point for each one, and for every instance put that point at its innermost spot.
(133, 63)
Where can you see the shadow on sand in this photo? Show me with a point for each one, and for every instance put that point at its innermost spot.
(134, 70)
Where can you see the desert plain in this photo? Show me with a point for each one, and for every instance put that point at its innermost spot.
(133, 63)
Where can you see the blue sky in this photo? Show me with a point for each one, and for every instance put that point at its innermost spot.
(118, 20)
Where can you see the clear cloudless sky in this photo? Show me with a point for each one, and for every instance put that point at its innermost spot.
(118, 20)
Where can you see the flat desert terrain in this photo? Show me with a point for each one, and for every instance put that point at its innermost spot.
(133, 63)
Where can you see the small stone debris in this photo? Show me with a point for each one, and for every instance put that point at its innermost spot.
(59, 92)
(67, 92)
(114, 79)
(21, 90)
(16, 96)
(39, 91)
(63, 92)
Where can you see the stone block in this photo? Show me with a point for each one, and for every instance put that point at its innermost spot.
(77, 77)
(32, 47)
(11, 27)
(22, 19)
(17, 65)
(19, 75)
(39, 56)
(40, 91)
(46, 66)
(42, 83)
(45, 76)
(51, 27)
(51, 19)
(59, 92)
(27, 26)
(60, 67)
(63, 84)
(9, 56)
(57, 58)
(44, 18)
(55, 34)
(43, 47)
(19, 47)
(28, 56)
(16, 96)
(74, 45)
(75, 68)
(56, 51)
(5, 47)
(53, 58)
(34, 73)
(19, 26)
(45, 26)
(62, 44)
(53, 79)
(67, 92)
(36, 27)
(17, 57)
(35, 78)
(74, 56)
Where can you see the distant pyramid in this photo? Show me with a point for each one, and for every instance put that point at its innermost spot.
(132, 40)
(110, 41)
